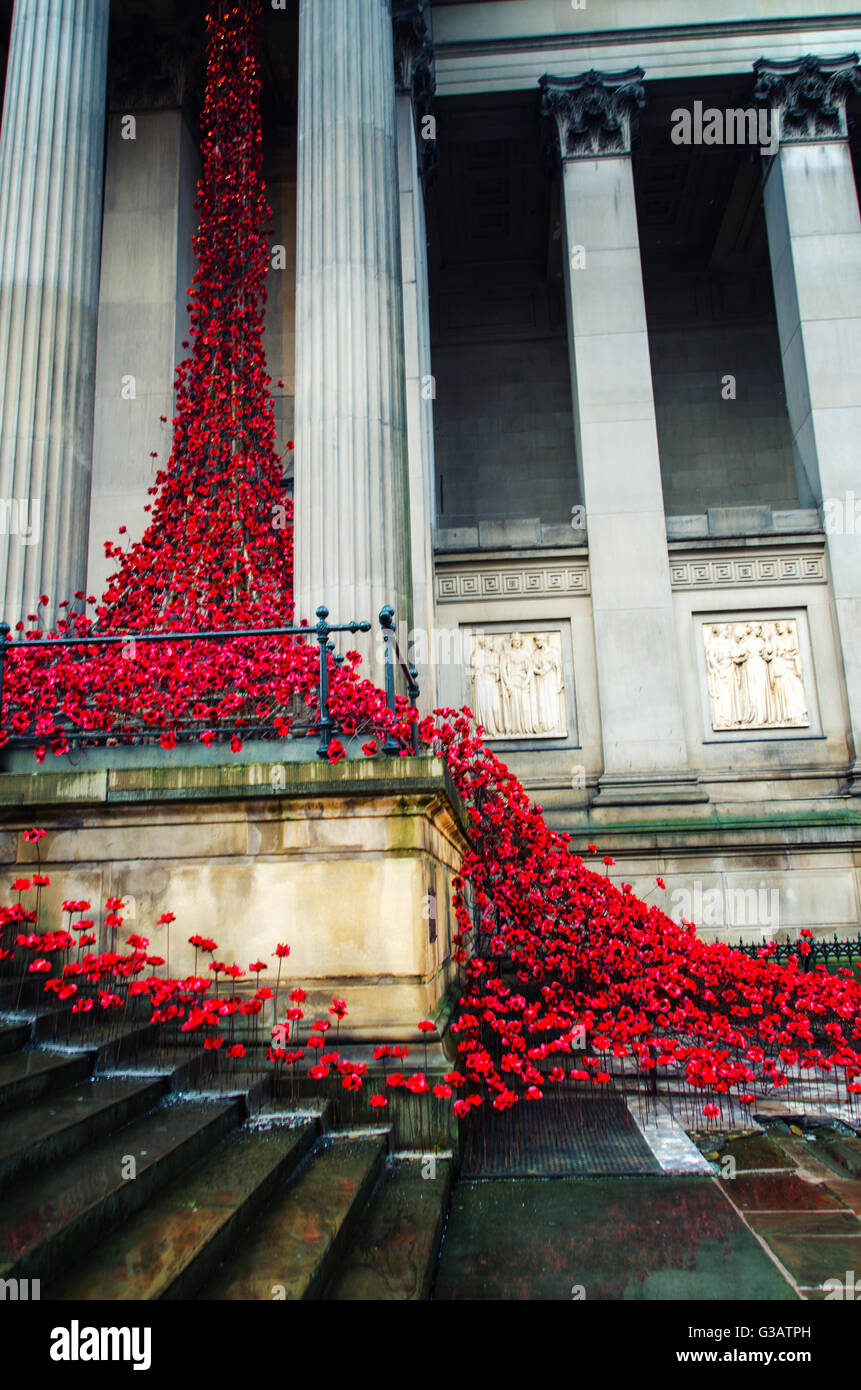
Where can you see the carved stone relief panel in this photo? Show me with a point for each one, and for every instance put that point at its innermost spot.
(754, 673)
(518, 686)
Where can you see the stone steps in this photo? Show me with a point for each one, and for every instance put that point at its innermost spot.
(49, 1022)
(52, 1219)
(216, 1208)
(14, 1035)
(293, 1250)
(393, 1254)
(53, 1128)
(27, 1076)
(168, 1249)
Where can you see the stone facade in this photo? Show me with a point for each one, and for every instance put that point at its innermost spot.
(585, 383)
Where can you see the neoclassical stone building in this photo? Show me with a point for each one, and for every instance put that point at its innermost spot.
(566, 302)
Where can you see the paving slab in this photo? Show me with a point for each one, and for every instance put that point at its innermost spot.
(811, 1259)
(755, 1152)
(846, 1190)
(776, 1192)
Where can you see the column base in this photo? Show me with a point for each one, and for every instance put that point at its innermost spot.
(649, 789)
(854, 788)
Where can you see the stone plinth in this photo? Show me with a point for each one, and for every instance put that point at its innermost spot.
(351, 865)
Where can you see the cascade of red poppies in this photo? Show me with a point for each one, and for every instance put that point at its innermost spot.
(217, 552)
(571, 978)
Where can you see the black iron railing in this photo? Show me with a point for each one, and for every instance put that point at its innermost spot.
(321, 633)
(822, 951)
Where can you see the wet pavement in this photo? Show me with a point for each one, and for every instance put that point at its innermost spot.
(780, 1221)
(604, 1238)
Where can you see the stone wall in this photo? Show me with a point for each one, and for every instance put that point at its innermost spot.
(350, 865)
(146, 269)
(716, 451)
(504, 436)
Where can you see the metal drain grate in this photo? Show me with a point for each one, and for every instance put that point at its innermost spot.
(567, 1136)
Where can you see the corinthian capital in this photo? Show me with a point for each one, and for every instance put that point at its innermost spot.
(809, 92)
(415, 72)
(414, 56)
(595, 113)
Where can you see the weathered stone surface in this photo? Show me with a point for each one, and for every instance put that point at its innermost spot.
(339, 863)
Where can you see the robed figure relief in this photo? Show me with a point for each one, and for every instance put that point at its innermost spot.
(547, 670)
(754, 675)
(486, 693)
(518, 688)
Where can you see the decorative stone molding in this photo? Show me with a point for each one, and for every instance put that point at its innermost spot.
(745, 571)
(518, 687)
(810, 94)
(594, 113)
(505, 582)
(754, 674)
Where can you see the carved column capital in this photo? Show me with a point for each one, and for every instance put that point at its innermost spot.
(594, 113)
(810, 94)
(414, 55)
(415, 71)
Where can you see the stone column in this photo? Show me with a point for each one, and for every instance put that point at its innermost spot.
(644, 746)
(51, 159)
(416, 131)
(814, 240)
(351, 502)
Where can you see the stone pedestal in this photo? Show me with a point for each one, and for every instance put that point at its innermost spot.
(643, 736)
(814, 237)
(351, 866)
(351, 487)
(51, 161)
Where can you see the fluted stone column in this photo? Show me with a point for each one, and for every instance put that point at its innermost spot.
(51, 161)
(351, 511)
(814, 239)
(414, 85)
(642, 722)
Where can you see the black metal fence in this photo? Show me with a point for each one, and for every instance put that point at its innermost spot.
(323, 724)
(822, 951)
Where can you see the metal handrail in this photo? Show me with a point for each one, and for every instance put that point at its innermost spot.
(321, 631)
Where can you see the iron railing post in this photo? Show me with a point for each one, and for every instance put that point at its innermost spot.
(325, 720)
(4, 645)
(387, 624)
(414, 695)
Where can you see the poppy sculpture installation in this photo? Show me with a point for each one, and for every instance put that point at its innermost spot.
(565, 979)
